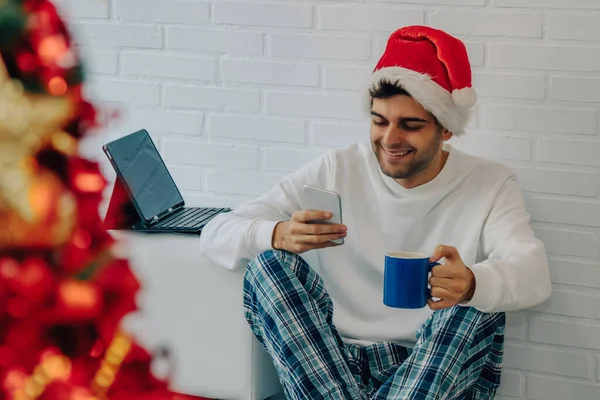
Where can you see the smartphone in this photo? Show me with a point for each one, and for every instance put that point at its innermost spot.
(319, 199)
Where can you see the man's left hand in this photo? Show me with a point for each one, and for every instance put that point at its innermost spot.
(452, 282)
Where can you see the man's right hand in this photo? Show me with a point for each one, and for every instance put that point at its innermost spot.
(298, 236)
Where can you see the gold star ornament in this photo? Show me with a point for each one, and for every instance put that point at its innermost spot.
(36, 209)
(27, 122)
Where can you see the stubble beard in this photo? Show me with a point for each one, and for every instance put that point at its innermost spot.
(420, 160)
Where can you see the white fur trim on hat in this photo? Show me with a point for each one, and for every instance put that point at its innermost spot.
(453, 115)
(465, 97)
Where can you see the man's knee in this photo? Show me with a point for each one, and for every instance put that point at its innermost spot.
(267, 270)
(459, 317)
(485, 321)
(285, 270)
(466, 313)
(272, 261)
(492, 323)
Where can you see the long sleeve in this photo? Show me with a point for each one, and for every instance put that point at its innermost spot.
(515, 274)
(232, 239)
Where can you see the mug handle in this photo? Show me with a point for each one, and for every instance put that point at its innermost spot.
(429, 268)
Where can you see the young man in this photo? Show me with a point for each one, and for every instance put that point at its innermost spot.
(329, 334)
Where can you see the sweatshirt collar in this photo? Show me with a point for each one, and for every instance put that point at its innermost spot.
(446, 175)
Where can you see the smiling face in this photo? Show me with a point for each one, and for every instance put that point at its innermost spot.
(407, 140)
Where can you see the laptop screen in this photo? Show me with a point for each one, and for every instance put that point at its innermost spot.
(137, 160)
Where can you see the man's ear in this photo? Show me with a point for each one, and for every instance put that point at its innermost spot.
(446, 134)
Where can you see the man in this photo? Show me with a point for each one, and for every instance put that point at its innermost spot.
(329, 333)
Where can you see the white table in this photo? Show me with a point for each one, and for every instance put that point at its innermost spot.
(194, 308)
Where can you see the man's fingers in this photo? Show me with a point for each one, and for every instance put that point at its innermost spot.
(304, 247)
(442, 282)
(321, 229)
(444, 271)
(442, 251)
(441, 293)
(319, 239)
(327, 244)
(311, 215)
(300, 228)
(440, 305)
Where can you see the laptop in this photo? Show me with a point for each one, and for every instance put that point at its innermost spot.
(151, 189)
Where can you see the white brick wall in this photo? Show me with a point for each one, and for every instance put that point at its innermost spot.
(505, 23)
(263, 14)
(211, 98)
(270, 73)
(168, 66)
(173, 11)
(238, 93)
(353, 17)
(326, 47)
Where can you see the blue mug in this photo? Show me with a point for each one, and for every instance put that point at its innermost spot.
(406, 280)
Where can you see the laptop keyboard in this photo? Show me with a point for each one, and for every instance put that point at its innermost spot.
(189, 218)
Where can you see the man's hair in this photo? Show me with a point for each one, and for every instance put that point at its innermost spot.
(386, 90)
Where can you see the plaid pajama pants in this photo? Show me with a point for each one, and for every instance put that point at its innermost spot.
(458, 353)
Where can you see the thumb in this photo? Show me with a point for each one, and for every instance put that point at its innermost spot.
(442, 251)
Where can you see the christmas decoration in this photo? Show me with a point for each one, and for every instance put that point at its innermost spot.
(63, 294)
(433, 67)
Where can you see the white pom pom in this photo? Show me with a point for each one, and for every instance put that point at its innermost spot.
(465, 98)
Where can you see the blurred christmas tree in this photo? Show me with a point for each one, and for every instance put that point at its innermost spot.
(63, 294)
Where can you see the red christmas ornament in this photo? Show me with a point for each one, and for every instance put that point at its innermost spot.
(63, 294)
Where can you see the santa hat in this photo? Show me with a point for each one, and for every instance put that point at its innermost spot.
(433, 67)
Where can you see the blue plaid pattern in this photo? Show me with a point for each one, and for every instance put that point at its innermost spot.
(458, 354)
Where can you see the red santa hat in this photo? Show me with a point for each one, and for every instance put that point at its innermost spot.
(433, 67)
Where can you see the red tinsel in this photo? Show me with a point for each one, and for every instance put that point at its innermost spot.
(62, 301)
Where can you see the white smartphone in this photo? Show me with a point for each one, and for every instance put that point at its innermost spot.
(319, 199)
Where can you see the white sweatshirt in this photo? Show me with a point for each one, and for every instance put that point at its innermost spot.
(473, 204)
